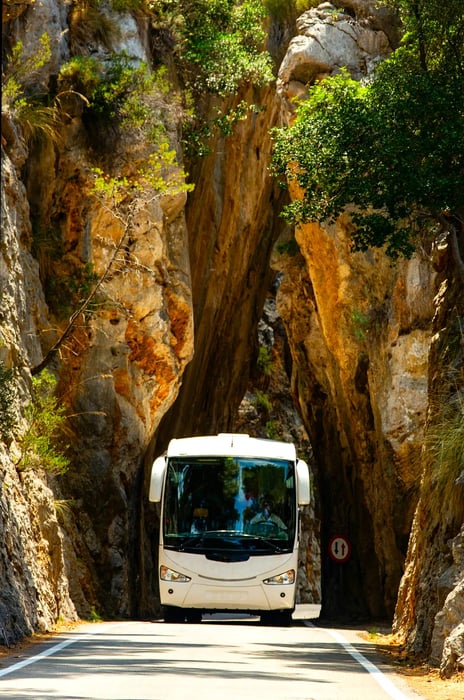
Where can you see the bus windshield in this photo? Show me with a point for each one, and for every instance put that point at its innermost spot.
(228, 507)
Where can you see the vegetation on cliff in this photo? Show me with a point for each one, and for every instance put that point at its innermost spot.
(393, 148)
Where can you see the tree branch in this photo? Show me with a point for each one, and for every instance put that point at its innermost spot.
(71, 323)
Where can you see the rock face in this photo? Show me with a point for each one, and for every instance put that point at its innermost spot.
(355, 356)
(372, 354)
(34, 585)
(232, 225)
(429, 611)
(447, 646)
(360, 336)
(121, 366)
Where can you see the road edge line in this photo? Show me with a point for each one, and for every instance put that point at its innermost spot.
(378, 675)
(52, 650)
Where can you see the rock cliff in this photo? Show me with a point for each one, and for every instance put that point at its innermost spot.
(168, 344)
(373, 347)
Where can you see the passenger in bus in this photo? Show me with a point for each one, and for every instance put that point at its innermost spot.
(266, 518)
(200, 519)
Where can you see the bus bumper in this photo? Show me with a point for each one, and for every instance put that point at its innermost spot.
(210, 598)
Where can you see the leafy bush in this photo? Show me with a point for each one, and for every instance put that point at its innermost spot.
(22, 70)
(219, 47)
(220, 43)
(82, 74)
(114, 91)
(21, 92)
(286, 10)
(289, 248)
(46, 418)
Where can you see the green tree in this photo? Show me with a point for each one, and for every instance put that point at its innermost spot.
(394, 148)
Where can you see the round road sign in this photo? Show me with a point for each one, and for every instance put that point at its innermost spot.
(339, 549)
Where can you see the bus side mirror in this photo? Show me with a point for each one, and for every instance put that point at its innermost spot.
(157, 478)
(302, 483)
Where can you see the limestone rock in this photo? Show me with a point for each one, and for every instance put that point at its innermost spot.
(328, 40)
(453, 650)
(121, 366)
(447, 645)
(360, 338)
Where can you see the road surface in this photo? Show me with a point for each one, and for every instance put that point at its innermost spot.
(223, 657)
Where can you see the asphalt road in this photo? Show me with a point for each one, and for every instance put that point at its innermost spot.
(224, 657)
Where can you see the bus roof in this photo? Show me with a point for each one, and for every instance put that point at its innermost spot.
(231, 445)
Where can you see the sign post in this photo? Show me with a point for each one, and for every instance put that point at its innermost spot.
(339, 549)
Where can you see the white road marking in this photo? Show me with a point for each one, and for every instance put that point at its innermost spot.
(52, 650)
(385, 683)
(377, 675)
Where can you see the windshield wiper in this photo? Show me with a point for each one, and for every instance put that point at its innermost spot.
(213, 539)
(269, 543)
(193, 540)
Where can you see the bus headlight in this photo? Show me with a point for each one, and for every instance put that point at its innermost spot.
(167, 574)
(284, 579)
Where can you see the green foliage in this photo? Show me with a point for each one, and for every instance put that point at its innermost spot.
(280, 9)
(112, 96)
(130, 98)
(129, 5)
(272, 431)
(264, 361)
(39, 444)
(83, 74)
(444, 442)
(263, 402)
(434, 31)
(290, 247)
(114, 91)
(222, 45)
(288, 10)
(393, 148)
(360, 322)
(94, 615)
(160, 172)
(7, 398)
(21, 70)
(198, 131)
(219, 43)
(21, 92)
(125, 95)
(65, 293)
(219, 47)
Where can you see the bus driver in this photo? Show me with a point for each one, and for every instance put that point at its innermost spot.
(266, 517)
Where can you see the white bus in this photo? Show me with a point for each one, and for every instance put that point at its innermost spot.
(229, 526)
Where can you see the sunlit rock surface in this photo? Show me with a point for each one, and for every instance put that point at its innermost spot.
(370, 342)
(121, 367)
